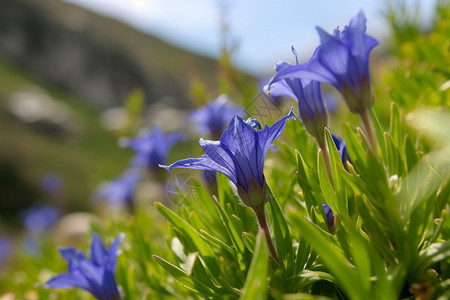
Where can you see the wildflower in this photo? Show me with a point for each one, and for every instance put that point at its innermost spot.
(331, 218)
(212, 118)
(51, 183)
(342, 60)
(6, 246)
(240, 156)
(342, 149)
(120, 191)
(153, 148)
(95, 275)
(39, 218)
(307, 93)
(275, 99)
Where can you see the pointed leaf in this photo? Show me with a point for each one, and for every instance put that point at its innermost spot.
(255, 286)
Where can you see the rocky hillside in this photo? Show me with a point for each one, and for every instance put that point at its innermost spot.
(96, 58)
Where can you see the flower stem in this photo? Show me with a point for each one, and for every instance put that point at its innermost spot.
(369, 130)
(262, 221)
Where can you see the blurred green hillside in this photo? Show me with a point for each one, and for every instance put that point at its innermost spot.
(77, 62)
(82, 157)
(96, 57)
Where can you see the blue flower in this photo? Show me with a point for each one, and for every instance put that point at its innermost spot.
(6, 246)
(308, 94)
(212, 118)
(342, 149)
(51, 183)
(342, 60)
(240, 156)
(153, 147)
(39, 218)
(120, 191)
(95, 275)
(330, 218)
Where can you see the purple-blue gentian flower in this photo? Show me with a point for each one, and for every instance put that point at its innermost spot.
(307, 93)
(120, 191)
(39, 218)
(95, 275)
(51, 183)
(275, 99)
(240, 156)
(212, 118)
(342, 60)
(331, 223)
(153, 148)
(6, 246)
(342, 149)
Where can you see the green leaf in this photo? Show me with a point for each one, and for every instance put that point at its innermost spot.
(231, 230)
(281, 234)
(193, 236)
(187, 281)
(309, 184)
(359, 248)
(379, 132)
(249, 241)
(395, 125)
(255, 286)
(334, 259)
(432, 254)
(355, 151)
(394, 158)
(304, 297)
(411, 153)
(216, 242)
(327, 189)
(303, 253)
(305, 278)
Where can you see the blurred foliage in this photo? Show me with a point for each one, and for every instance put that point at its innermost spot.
(83, 158)
(420, 60)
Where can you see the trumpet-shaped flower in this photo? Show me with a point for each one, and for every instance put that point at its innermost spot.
(212, 118)
(308, 94)
(342, 60)
(331, 223)
(120, 191)
(95, 275)
(342, 149)
(39, 218)
(153, 147)
(240, 156)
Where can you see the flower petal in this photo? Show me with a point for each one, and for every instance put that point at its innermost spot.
(98, 251)
(312, 70)
(267, 136)
(203, 163)
(68, 280)
(240, 139)
(72, 256)
(333, 54)
(110, 263)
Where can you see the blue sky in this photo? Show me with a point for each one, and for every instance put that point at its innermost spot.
(261, 30)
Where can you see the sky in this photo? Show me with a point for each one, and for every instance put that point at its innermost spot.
(260, 31)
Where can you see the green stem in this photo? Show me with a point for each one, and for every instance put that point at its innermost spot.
(369, 130)
(262, 221)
